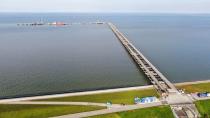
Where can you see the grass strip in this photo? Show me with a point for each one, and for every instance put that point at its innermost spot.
(41, 111)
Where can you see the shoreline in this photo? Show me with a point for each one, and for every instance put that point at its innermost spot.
(192, 82)
(94, 92)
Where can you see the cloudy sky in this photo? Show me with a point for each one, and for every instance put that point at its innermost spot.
(166, 6)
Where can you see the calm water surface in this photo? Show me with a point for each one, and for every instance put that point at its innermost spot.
(44, 60)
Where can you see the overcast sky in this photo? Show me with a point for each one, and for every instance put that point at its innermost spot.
(175, 6)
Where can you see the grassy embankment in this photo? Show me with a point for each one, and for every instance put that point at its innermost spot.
(158, 112)
(202, 87)
(153, 112)
(126, 97)
(41, 111)
(204, 108)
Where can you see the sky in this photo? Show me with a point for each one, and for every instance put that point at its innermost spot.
(153, 6)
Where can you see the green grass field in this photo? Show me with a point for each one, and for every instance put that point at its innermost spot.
(153, 112)
(196, 87)
(204, 108)
(41, 111)
(126, 97)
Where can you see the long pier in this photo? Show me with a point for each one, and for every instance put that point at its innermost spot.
(170, 95)
(156, 77)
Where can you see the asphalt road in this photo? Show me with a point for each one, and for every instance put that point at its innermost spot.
(111, 110)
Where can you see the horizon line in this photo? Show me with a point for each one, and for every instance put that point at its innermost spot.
(123, 12)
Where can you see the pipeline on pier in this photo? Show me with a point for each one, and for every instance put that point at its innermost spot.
(160, 82)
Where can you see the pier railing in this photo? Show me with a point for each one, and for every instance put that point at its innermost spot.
(162, 84)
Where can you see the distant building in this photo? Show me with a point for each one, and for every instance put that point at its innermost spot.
(205, 94)
(57, 23)
(145, 100)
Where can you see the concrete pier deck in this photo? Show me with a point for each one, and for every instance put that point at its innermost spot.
(156, 77)
(170, 95)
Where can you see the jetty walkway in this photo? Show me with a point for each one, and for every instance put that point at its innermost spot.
(156, 77)
(179, 102)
